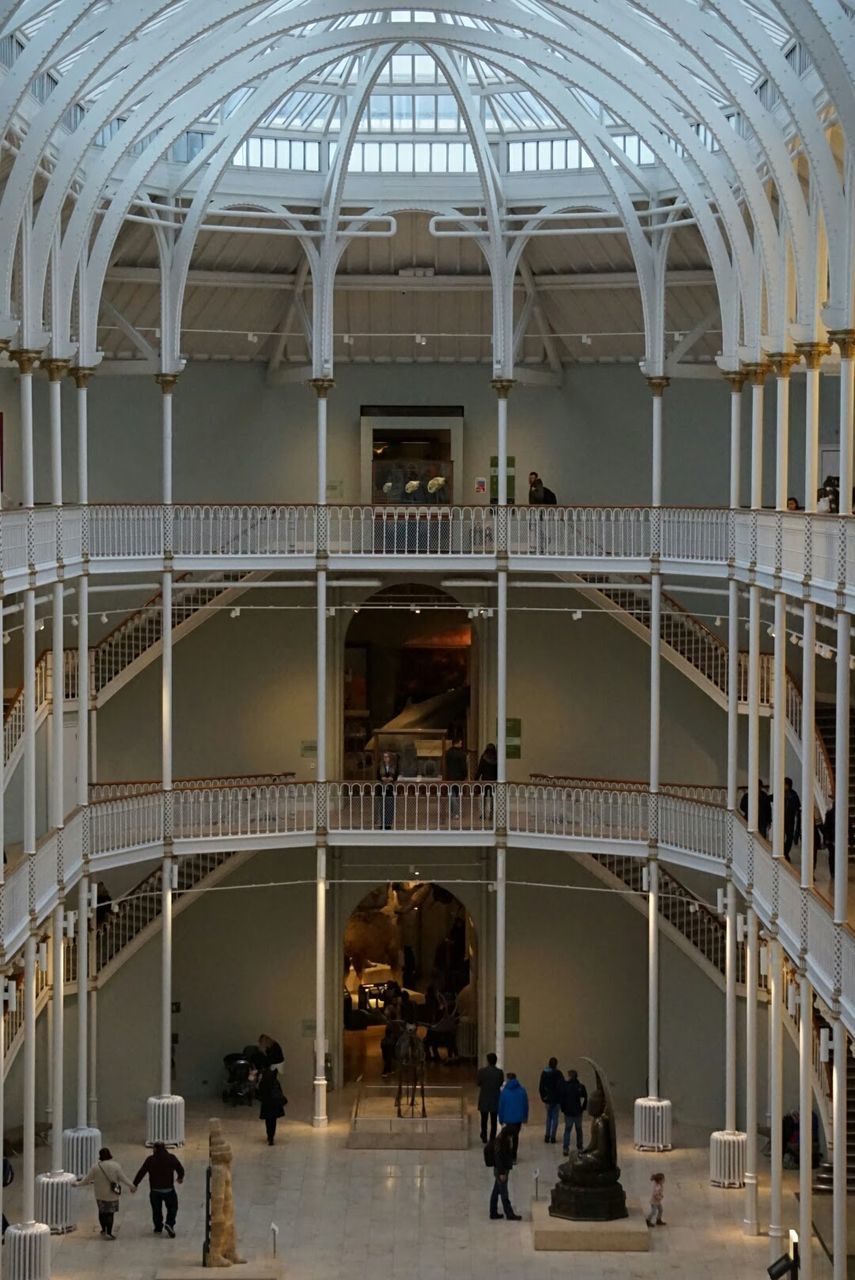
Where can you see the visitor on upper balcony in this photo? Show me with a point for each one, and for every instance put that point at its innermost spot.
(793, 504)
(487, 772)
(764, 809)
(456, 771)
(538, 494)
(792, 817)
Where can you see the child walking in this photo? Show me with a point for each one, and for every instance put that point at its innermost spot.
(657, 1201)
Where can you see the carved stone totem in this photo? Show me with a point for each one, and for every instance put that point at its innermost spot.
(222, 1251)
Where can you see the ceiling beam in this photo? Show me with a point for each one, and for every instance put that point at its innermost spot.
(547, 283)
(294, 298)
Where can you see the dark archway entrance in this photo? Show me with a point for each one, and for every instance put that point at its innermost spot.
(410, 955)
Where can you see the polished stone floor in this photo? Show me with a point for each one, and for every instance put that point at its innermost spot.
(411, 1215)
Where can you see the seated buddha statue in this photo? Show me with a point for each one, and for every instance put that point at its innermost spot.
(588, 1186)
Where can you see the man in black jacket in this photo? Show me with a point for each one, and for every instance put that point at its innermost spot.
(490, 1081)
(503, 1157)
(574, 1100)
(551, 1086)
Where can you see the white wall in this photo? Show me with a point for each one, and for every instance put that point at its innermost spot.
(236, 439)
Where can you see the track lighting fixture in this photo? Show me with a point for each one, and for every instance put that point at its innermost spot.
(235, 613)
(104, 618)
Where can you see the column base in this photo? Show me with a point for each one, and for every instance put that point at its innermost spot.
(55, 1203)
(652, 1128)
(26, 1251)
(320, 1119)
(164, 1120)
(80, 1149)
(727, 1158)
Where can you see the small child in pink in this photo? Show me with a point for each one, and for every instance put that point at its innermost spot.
(657, 1201)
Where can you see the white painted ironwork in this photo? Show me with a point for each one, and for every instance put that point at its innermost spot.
(447, 807)
(411, 531)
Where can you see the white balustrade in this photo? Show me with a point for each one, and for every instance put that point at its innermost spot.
(577, 813)
(125, 531)
(429, 807)
(579, 532)
(692, 827)
(695, 534)
(135, 822)
(411, 530)
(243, 531)
(14, 528)
(824, 540)
(229, 812)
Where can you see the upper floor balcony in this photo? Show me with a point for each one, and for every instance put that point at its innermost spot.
(786, 549)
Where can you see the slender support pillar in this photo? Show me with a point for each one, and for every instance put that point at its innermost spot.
(166, 980)
(322, 388)
(737, 381)
(503, 388)
(81, 378)
(805, 1134)
(653, 978)
(753, 705)
(782, 362)
(657, 389)
(82, 1002)
(730, 1010)
(841, 771)
(812, 352)
(57, 778)
(166, 382)
(776, 1095)
(501, 803)
(757, 376)
(839, 1232)
(750, 1221)
(56, 371)
(25, 361)
(808, 741)
(732, 693)
(28, 1189)
(29, 724)
(845, 339)
(58, 999)
(83, 692)
(779, 724)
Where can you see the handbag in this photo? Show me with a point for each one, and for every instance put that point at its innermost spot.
(115, 1187)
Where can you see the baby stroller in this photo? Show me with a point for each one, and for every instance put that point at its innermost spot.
(241, 1076)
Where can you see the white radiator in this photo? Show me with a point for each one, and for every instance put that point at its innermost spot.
(26, 1252)
(165, 1120)
(727, 1158)
(54, 1201)
(652, 1124)
(80, 1149)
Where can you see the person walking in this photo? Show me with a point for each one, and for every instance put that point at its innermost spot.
(272, 1101)
(490, 1080)
(456, 771)
(503, 1162)
(657, 1201)
(269, 1052)
(106, 1177)
(550, 1088)
(487, 772)
(792, 817)
(163, 1170)
(513, 1110)
(574, 1100)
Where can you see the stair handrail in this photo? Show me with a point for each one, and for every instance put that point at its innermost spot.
(703, 792)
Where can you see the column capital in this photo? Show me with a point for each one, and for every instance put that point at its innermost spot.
(81, 375)
(322, 386)
(55, 369)
(25, 360)
(736, 378)
(757, 371)
(657, 385)
(845, 340)
(503, 387)
(782, 362)
(166, 382)
(812, 352)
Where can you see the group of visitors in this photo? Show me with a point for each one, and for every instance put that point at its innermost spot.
(107, 1177)
(824, 836)
(455, 772)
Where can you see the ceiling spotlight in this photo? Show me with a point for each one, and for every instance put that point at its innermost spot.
(104, 618)
(585, 340)
(420, 340)
(331, 612)
(356, 608)
(6, 637)
(347, 339)
(852, 662)
(678, 337)
(718, 621)
(770, 631)
(74, 619)
(40, 625)
(252, 337)
(235, 613)
(576, 615)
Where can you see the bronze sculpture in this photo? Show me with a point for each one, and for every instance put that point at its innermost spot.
(588, 1188)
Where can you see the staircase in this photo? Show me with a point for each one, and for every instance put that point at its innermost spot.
(826, 717)
(124, 652)
(703, 657)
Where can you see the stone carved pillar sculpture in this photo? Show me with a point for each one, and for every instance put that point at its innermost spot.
(222, 1251)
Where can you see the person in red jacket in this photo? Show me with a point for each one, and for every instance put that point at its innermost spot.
(163, 1170)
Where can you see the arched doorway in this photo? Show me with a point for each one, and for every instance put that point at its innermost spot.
(410, 955)
(409, 682)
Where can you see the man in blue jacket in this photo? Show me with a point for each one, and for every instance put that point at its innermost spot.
(513, 1110)
(551, 1084)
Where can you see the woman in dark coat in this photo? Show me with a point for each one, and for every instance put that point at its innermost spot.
(272, 1101)
(487, 771)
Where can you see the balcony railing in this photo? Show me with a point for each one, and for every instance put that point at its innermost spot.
(449, 808)
(411, 531)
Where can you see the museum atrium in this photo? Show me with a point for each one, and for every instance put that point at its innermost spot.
(427, 544)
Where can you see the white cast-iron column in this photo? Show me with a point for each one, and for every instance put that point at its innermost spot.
(812, 353)
(503, 388)
(320, 1118)
(776, 1095)
(757, 373)
(81, 378)
(839, 1226)
(805, 1134)
(845, 339)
